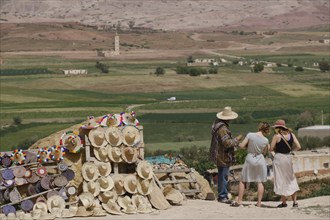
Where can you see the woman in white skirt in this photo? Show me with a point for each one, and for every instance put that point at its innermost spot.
(255, 167)
(285, 182)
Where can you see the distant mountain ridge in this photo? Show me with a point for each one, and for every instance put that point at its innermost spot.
(171, 14)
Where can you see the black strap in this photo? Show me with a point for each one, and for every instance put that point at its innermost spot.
(286, 142)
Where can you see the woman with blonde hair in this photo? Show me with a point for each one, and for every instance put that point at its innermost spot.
(285, 182)
(255, 167)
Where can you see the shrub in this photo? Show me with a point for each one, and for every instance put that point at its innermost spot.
(102, 66)
(159, 71)
(257, 68)
(299, 69)
(17, 120)
(324, 66)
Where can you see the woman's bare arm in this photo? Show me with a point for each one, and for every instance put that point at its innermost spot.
(244, 143)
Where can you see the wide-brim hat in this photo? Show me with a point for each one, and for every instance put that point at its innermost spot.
(18, 157)
(92, 187)
(124, 201)
(82, 212)
(97, 137)
(14, 195)
(112, 207)
(106, 183)
(114, 136)
(173, 195)
(69, 174)
(118, 180)
(41, 199)
(144, 186)
(130, 183)
(142, 203)
(31, 190)
(19, 171)
(111, 120)
(41, 171)
(60, 181)
(114, 154)
(57, 153)
(40, 206)
(129, 154)
(72, 191)
(28, 173)
(144, 169)
(43, 155)
(104, 197)
(33, 178)
(52, 193)
(89, 171)
(131, 209)
(71, 141)
(38, 187)
(19, 181)
(227, 114)
(45, 182)
(87, 199)
(91, 123)
(101, 153)
(8, 209)
(62, 192)
(55, 204)
(280, 123)
(27, 205)
(62, 166)
(131, 135)
(104, 168)
(7, 174)
(130, 118)
(8, 183)
(6, 161)
(30, 157)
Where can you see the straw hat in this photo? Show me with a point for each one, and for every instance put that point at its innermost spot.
(144, 186)
(31, 190)
(91, 123)
(97, 137)
(227, 114)
(104, 197)
(157, 198)
(112, 207)
(8, 209)
(8, 183)
(33, 178)
(62, 193)
(106, 183)
(14, 195)
(131, 209)
(114, 154)
(30, 157)
(130, 183)
(124, 201)
(6, 160)
(101, 153)
(52, 193)
(104, 168)
(19, 171)
(131, 135)
(62, 166)
(28, 173)
(41, 171)
(130, 118)
(69, 174)
(27, 205)
(55, 204)
(40, 206)
(87, 199)
(113, 136)
(70, 212)
(144, 169)
(41, 199)
(280, 123)
(11, 216)
(71, 141)
(173, 195)
(118, 180)
(60, 181)
(82, 212)
(111, 120)
(19, 181)
(18, 157)
(7, 174)
(45, 182)
(89, 171)
(72, 191)
(129, 154)
(92, 187)
(57, 153)
(43, 155)
(142, 203)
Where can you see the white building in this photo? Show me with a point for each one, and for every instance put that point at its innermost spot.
(75, 72)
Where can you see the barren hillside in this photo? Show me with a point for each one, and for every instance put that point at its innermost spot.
(171, 14)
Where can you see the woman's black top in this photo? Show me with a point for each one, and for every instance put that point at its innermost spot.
(282, 147)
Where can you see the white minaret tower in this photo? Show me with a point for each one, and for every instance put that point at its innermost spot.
(116, 44)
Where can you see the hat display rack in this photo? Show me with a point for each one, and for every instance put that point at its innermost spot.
(115, 173)
(30, 178)
(112, 176)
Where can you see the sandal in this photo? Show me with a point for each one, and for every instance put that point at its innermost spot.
(282, 205)
(295, 205)
(236, 204)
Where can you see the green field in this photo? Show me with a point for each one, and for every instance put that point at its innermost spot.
(47, 101)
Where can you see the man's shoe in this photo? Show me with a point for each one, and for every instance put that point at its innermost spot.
(224, 200)
(282, 205)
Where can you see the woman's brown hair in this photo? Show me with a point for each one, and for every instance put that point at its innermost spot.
(264, 127)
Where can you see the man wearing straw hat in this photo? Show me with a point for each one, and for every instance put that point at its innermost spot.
(222, 149)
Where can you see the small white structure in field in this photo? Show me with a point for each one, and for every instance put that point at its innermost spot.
(75, 72)
(173, 98)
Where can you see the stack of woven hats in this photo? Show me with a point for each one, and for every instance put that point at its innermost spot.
(35, 184)
(117, 176)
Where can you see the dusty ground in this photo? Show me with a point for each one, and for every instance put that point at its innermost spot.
(314, 208)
